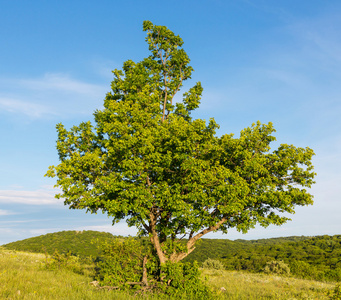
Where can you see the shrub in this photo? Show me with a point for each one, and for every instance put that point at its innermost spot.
(64, 261)
(277, 267)
(336, 293)
(332, 275)
(213, 264)
(182, 281)
(125, 261)
(122, 262)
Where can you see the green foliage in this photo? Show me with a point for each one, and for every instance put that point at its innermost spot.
(122, 263)
(277, 267)
(122, 267)
(22, 277)
(305, 270)
(182, 281)
(307, 257)
(213, 264)
(336, 293)
(64, 261)
(145, 160)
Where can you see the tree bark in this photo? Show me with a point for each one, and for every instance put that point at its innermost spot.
(155, 240)
(176, 257)
(144, 272)
(193, 240)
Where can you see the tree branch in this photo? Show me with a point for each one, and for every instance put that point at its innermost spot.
(192, 241)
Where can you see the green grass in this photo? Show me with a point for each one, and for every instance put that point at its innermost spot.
(24, 276)
(307, 257)
(242, 285)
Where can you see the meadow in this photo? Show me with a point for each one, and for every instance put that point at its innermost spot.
(317, 258)
(28, 276)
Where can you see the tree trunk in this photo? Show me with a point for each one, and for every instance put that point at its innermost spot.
(144, 272)
(156, 241)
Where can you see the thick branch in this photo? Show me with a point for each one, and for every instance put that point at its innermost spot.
(193, 240)
(145, 226)
(175, 257)
(155, 238)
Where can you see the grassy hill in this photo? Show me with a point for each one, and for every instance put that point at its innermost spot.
(307, 257)
(38, 282)
(82, 243)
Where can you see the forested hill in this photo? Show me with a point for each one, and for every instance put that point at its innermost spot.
(86, 243)
(308, 257)
(240, 253)
(224, 248)
(82, 243)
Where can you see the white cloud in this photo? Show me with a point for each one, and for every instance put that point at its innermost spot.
(49, 95)
(6, 212)
(37, 197)
(7, 231)
(60, 82)
(32, 110)
(8, 234)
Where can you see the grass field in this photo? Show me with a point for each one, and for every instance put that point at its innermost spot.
(240, 285)
(24, 276)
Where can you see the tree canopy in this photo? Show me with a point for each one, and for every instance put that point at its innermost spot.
(148, 162)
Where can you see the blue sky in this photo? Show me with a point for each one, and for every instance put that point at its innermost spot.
(273, 61)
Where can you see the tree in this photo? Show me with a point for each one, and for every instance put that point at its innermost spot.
(148, 162)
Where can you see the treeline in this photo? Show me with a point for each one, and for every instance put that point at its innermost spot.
(316, 258)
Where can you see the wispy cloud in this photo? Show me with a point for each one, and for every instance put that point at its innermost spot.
(37, 197)
(6, 212)
(49, 95)
(32, 110)
(60, 82)
(9, 234)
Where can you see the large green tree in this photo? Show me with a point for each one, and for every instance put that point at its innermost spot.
(148, 162)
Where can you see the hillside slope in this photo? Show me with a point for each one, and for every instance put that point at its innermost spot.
(316, 258)
(38, 282)
(82, 243)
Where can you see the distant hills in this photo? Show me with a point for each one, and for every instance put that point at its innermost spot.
(308, 257)
(86, 243)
